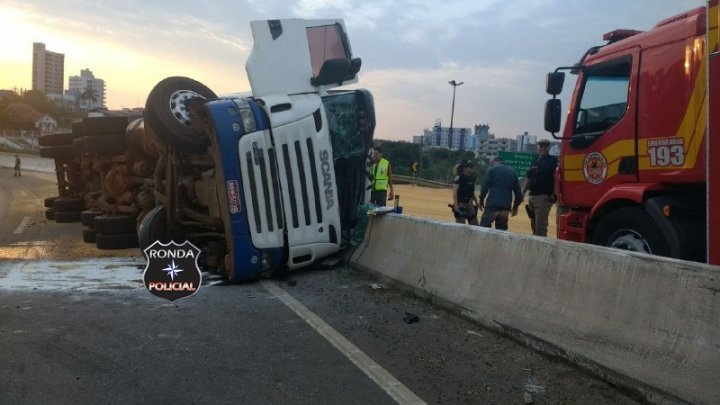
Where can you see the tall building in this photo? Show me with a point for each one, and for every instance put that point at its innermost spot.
(48, 70)
(489, 147)
(78, 84)
(440, 137)
(526, 143)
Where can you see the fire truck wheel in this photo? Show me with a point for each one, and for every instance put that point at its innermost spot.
(105, 144)
(69, 204)
(119, 241)
(50, 201)
(60, 152)
(67, 216)
(167, 115)
(50, 214)
(631, 229)
(105, 125)
(153, 227)
(115, 224)
(88, 217)
(62, 138)
(89, 235)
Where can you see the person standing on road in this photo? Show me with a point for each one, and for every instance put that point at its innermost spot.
(17, 166)
(381, 179)
(464, 199)
(499, 185)
(541, 184)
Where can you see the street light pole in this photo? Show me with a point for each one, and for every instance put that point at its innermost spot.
(450, 133)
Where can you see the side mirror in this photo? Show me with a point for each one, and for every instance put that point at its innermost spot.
(552, 115)
(337, 71)
(554, 83)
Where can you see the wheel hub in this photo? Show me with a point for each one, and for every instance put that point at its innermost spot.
(178, 107)
(628, 239)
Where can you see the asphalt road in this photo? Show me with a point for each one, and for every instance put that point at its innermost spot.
(76, 327)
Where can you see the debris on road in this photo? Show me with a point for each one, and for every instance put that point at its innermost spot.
(410, 318)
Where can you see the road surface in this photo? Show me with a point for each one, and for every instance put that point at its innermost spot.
(76, 326)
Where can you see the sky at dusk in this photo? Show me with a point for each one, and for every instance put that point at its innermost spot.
(500, 49)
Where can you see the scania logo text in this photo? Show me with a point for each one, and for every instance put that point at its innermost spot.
(327, 178)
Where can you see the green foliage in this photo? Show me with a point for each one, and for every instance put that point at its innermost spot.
(19, 112)
(436, 164)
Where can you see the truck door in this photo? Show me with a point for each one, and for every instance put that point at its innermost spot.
(602, 148)
(293, 63)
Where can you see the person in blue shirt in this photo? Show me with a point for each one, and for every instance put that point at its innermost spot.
(499, 185)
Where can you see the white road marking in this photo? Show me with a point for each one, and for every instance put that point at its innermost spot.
(22, 225)
(400, 393)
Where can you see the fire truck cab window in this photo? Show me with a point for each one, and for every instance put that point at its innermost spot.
(604, 97)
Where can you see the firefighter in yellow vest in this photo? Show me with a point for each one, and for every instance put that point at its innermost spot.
(381, 179)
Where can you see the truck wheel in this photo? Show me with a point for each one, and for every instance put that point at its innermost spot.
(153, 228)
(79, 145)
(166, 113)
(631, 229)
(78, 129)
(89, 235)
(105, 125)
(68, 204)
(62, 138)
(60, 152)
(67, 216)
(105, 144)
(119, 241)
(115, 224)
(88, 217)
(50, 214)
(50, 201)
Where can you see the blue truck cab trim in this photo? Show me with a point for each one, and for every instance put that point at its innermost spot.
(228, 128)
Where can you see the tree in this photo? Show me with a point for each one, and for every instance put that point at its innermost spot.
(90, 95)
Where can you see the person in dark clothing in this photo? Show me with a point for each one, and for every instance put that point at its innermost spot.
(17, 165)
(541, 184)
(499, 185)
(464, 199)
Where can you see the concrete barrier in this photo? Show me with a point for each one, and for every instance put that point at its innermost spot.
(651, 324)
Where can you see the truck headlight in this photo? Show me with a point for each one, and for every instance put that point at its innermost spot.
(247, 115)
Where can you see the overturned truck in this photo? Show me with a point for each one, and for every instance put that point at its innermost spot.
(263, 183)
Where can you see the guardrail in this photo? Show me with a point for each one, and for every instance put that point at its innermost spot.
(421, 182)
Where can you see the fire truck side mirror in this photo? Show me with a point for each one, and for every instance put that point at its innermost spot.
(554, 83)
(553, 108)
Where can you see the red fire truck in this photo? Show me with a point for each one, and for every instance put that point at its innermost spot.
(639, 167)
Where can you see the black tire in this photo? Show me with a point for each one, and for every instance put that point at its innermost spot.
(112, 144)
(88, 217)
(50, 201)
(105, 125)
(153, 228)
(89, 235)
(62, 138)
(68, 204)
(67, 216)
(120, 241)
(631, 229)
(62, 152)
(50, 214)
(79, 145)
(115, 224)
(167, 116)
(78, 129)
